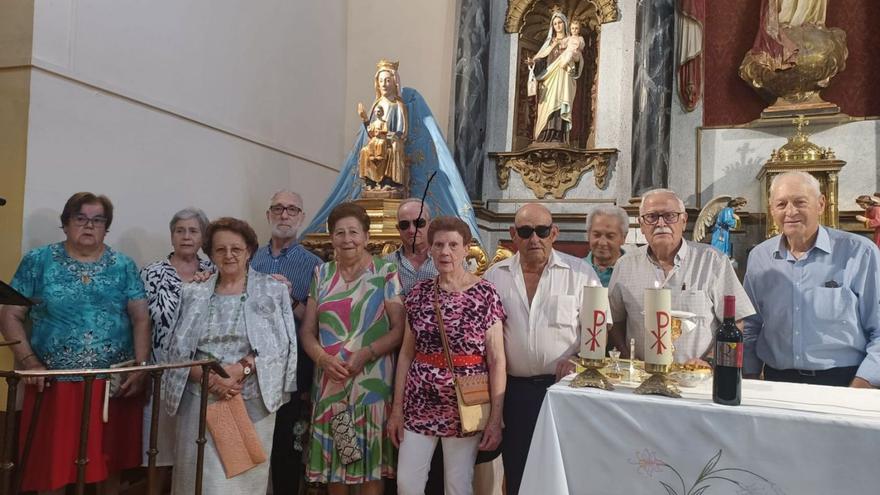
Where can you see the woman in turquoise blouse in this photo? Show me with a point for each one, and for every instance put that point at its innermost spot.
(90, 312)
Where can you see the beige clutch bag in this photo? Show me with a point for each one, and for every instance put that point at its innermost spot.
(235, 437)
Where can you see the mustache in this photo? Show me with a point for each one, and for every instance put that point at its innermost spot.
(662, 230)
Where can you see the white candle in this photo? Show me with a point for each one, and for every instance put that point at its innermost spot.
(594, 317)
(658, 327)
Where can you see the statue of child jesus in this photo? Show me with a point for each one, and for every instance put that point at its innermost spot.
(573, 45)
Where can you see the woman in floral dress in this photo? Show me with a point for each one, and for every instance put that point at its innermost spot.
(353, 323)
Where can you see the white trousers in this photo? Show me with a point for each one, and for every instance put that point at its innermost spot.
(414, 462)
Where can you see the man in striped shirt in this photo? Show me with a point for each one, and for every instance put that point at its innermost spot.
(287, 259)
(413, 261)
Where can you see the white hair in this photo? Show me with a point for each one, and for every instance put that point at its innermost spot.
(425, 208)
(186, 214)
(654, 192)
(286, 191)
(805, 178)
(609, 211)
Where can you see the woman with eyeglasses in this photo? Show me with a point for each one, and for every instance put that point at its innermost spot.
(163, 280)
(353, 324)
(243, 319)
(425, 405)
(90, 311)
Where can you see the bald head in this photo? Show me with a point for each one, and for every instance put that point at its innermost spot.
(533, 214)
(533, 233)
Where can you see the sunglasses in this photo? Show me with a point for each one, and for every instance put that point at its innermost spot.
(419, 224)
(525, 232)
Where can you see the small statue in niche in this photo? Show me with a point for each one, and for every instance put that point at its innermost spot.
(381, 162)
(871, 218)
(555, 82)
(719, 216)
(574, 48)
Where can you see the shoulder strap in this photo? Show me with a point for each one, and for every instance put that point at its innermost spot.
(442, 327)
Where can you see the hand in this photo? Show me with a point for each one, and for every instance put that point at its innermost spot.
(334, 367)
(200, 277)
(281, 278)
(361, 112)
(357, 360)
(491, 436)
(394, 427)
(861, 218)
(133, 384)
(564, 368)
(34, 364)
(223, 388)
(859, 382)
(235, 371)
(698, 363)
(530, 62)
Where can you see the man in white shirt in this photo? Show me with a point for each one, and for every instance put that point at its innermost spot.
(541, 291)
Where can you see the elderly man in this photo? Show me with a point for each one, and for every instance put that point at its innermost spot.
(816, 291)
(294, 265)
(697, 275)
(541, 291)
(607, 227)
(413, 261)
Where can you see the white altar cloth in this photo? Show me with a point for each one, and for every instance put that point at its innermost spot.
(785, 438)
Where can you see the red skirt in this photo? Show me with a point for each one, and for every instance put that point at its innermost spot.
(112, 446)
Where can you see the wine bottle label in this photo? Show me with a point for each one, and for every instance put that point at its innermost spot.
(729, 354)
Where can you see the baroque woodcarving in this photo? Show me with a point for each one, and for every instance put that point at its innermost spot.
(517, 9)
(553, 170)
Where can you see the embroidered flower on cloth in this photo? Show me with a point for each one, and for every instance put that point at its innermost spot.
(263, 305)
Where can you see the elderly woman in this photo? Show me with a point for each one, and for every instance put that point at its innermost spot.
(244, 319)
(425, 404)
(90, 312)
(162, 281)
(353, 323)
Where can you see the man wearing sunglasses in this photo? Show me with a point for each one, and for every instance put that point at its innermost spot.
(697, 275)
(293, 264)
(541, 290)
(412, 258)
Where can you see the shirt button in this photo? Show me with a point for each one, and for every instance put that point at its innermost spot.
(797, 308)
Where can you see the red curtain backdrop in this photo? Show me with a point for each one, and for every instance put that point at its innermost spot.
(730, 31)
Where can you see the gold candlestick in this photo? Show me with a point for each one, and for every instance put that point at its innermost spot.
(591, 376)
(658, 344)
(658, 383)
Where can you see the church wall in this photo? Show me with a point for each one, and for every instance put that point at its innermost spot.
(418, 33)
(162, 105)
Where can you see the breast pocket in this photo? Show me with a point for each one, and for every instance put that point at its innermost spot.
(565, 312)
(832, 306)
(694, 301)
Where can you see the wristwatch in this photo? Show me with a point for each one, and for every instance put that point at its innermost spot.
(247, 368)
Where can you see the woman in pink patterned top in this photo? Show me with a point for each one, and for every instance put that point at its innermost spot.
(425, 407)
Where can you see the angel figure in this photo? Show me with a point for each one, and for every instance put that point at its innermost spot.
(719, 216)
(871, 218)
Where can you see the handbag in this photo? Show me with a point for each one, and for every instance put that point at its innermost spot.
(235, 438)
(472, 391)
(111, 389)
(342, 428)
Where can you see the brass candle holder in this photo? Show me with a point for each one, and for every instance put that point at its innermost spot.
(591, 376)
(659, 382)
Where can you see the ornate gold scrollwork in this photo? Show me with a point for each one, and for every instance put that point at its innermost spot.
(553, 170)
(606, 11)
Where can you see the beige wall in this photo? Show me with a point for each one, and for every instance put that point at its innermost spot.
(16, 34)
(418, 33)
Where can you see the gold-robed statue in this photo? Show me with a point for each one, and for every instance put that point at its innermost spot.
(381, 162)
(794, 56)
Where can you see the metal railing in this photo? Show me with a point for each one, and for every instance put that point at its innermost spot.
(11, 474)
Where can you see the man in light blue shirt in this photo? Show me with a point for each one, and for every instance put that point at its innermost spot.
(607, 227)
(817, 293)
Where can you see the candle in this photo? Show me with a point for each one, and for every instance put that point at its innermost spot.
(594, 318)
(658, 327)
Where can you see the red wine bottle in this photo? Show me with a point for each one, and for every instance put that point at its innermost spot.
(727, 378)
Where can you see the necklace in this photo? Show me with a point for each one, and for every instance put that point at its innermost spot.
(235, 319)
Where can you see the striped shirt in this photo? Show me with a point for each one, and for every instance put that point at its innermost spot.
(407, 273)
(295, 262)
(699, 281)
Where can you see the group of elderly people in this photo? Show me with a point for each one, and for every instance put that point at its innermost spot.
(381, 396)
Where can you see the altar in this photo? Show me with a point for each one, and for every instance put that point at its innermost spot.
(784, 439)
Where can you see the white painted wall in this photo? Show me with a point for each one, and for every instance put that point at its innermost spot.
(166, 104)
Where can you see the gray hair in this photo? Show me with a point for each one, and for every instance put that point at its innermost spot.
(654, 192)
(805, 178)
(425, 207)
(610, 211)
(286, 191)
(186, 214)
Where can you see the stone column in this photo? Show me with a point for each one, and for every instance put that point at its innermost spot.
(652, 93)
(471, 92)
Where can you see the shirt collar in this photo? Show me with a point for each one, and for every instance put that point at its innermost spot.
(589, 258)
(555, 260)
(680, 256)
(823, 243)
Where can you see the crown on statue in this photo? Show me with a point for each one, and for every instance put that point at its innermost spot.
(387, 65)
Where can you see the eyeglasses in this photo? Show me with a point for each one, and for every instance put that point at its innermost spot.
(669, 217)
(235, 252)
(291, 210)
(419, 223)
(526, 231)
(82, 220)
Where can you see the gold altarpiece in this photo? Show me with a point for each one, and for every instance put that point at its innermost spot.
(799, 154)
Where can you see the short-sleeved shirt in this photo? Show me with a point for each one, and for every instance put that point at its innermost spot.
(81, 316)
(409, 275)
(430, 406)
(700, 279)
